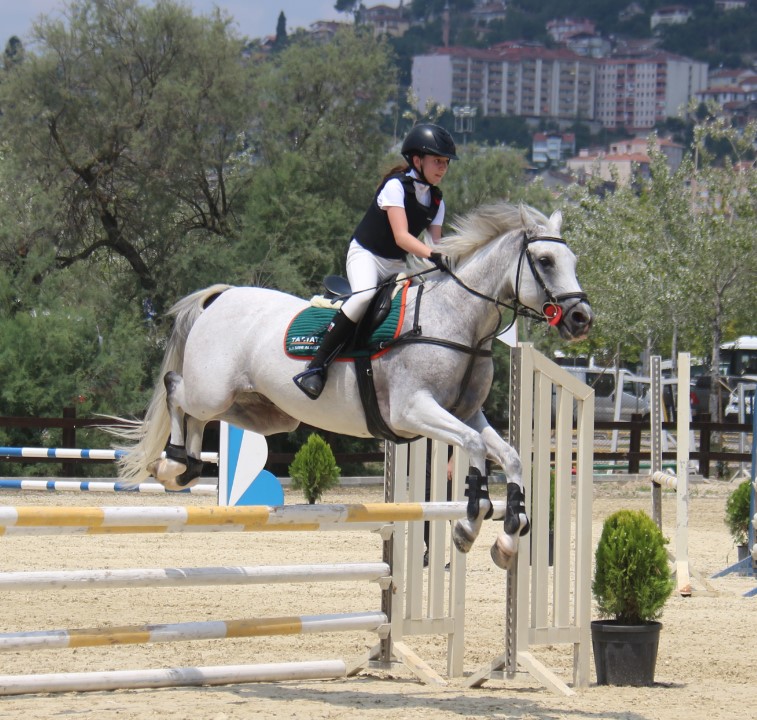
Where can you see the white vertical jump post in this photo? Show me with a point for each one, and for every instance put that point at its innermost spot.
(684, 571)
(549, 606)
(680, 481)
(443, 612)
(753, 496)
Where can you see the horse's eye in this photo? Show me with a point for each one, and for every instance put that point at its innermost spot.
(546, 261)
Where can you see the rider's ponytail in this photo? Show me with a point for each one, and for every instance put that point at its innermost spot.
(396, 170)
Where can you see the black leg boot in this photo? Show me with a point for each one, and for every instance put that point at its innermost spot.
(339, 331)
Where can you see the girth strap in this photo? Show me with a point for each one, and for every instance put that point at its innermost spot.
(376, 425)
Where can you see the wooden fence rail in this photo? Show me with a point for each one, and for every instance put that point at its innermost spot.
(634, 456)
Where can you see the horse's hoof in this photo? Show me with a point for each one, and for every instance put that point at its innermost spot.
(462, 537)
(504, 550)
(165, 470)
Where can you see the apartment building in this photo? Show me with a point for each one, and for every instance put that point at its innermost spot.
(637, 92)
(533, 81)
(508, 79)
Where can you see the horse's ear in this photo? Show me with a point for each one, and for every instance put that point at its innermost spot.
(525, 217)
(555, 223)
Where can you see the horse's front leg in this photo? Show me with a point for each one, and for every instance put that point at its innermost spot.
(516, 523)
(424, 416)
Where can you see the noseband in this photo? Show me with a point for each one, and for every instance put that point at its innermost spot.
(551, 312)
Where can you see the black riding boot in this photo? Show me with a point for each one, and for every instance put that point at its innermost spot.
(337, 334)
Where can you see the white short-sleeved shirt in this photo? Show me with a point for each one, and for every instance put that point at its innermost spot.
(393, 195)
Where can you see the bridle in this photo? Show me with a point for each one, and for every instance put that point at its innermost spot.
(551, 311)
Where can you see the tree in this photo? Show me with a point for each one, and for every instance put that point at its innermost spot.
(281, 32)
(14, 52)
(121, 134)
(318, 144)
(670, 261)
(485, 174)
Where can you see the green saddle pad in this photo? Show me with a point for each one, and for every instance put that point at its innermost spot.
(306, 330)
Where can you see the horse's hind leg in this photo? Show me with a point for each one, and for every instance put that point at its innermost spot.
(194, 433)
(165, 470)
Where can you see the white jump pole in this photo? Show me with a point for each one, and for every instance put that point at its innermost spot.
(185, 577)
(100, 486)
(171, 677)
(81, 454)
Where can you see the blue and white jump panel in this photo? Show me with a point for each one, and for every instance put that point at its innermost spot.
(241, 478)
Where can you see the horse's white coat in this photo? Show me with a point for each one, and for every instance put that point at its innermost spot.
(231, 364)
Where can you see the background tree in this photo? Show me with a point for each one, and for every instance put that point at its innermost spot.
(670, 261)
(318, 146)
(14, 52)
(120, 131)
(281, 32)
(485, 174)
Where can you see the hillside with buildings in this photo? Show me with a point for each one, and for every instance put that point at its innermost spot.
(607, 67)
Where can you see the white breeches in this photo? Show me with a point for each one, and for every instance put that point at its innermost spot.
(365, 271)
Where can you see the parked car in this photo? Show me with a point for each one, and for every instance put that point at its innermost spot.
(700, 395)
(634, 398)
(732, 411)
(738, 361)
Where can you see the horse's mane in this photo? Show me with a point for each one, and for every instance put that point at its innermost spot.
(486, 223)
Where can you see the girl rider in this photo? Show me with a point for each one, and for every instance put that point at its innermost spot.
(406, 203)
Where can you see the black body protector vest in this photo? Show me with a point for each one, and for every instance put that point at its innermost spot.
(374, 232)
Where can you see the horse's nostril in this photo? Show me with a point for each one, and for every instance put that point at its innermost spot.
(581, 319)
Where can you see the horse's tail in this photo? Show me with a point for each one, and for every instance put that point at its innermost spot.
(147, 438)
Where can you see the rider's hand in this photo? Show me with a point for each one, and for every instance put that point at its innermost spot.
(441, 262)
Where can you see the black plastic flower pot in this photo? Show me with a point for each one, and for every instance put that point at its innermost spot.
(625, 654)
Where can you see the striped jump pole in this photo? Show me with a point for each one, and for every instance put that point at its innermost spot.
(100, 486)
(207, 630)
(35, 520)
(79, 454)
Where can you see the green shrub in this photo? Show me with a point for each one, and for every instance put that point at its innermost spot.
(737, 512)
(632, 578)
(314, 469)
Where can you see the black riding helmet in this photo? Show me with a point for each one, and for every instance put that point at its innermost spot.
(428, 139)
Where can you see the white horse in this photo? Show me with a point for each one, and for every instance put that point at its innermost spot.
(225, 360)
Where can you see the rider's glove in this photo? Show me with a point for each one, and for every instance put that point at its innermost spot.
(441, 262)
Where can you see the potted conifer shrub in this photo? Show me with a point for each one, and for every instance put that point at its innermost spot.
(632, 581)
(314, 469)
(737, 517)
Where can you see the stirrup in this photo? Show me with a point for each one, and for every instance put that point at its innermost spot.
(311, 382)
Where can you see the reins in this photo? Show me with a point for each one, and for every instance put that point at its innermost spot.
(551, 312)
